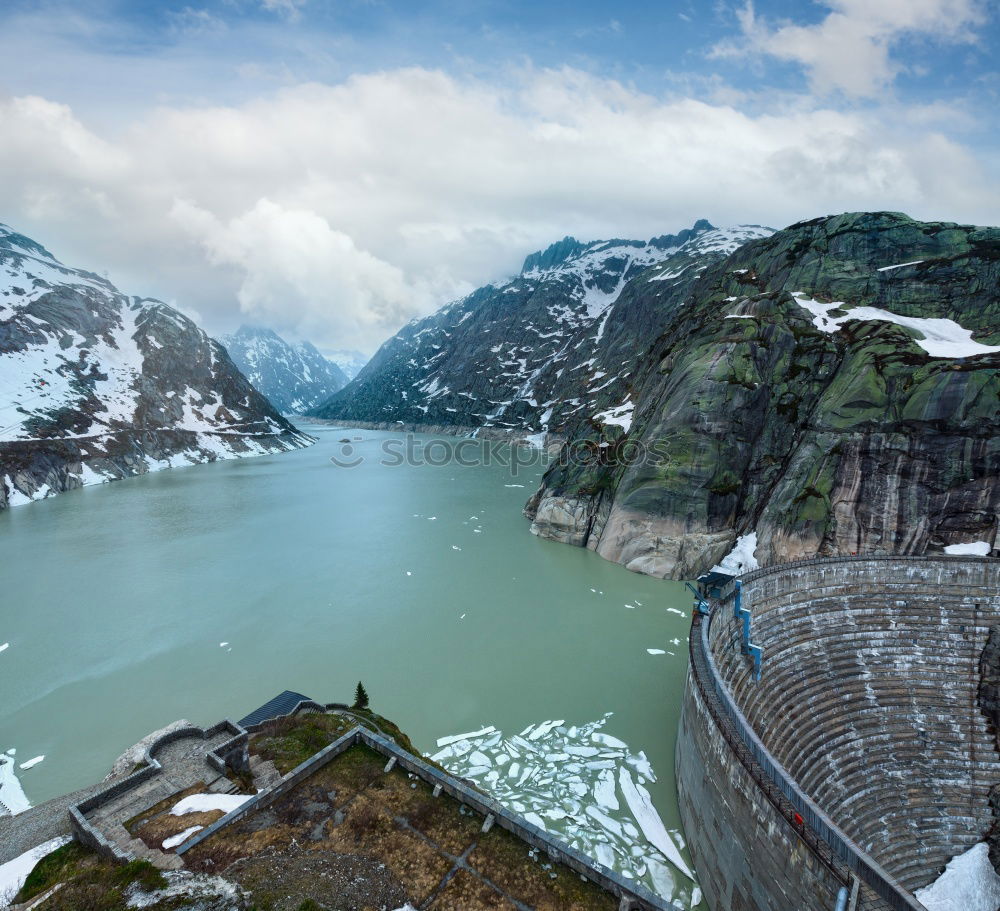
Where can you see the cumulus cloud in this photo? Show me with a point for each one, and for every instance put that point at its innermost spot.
(337, 212)
(288, 8)
(295, 265)
(850, 50)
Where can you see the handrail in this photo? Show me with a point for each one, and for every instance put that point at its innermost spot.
(832, 847)
(777, 567)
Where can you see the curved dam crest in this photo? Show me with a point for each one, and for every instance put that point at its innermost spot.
(868, 703)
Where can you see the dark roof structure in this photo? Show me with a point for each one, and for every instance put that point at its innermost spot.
(282, 704)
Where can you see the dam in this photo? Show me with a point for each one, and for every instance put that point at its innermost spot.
(832, 746)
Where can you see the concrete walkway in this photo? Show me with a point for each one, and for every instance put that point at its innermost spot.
(184, 765)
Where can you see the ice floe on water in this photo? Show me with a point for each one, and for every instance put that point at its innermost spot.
(4, 646)
(31, 763)
(583, 786)
(12, 798)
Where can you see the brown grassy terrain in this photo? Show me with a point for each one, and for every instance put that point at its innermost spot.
(352, 822)
(157, 823)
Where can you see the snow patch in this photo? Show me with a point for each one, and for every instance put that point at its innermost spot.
(973, 548)
(181, 837)
(741, 558)
(204, 803)
(969, 883)
(941, 337)
(619, 417)
(15, 872)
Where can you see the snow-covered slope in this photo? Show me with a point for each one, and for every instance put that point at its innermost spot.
(96, 385)
(552, 345)
(292, 377)
(349, 361)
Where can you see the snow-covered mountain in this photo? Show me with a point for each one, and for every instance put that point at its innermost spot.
(348, 360)
(552, 345)
(292, 377)
(96, 385)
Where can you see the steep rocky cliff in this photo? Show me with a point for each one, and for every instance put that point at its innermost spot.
(833, 388)
(96, 385)
(535, 353)
(293, 378)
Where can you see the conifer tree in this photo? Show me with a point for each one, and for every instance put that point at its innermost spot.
(360, 696)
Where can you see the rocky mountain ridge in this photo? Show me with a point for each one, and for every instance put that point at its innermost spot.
(96, 385)
(829, 388)
(833, 388)
(293, 378)
(531, 354)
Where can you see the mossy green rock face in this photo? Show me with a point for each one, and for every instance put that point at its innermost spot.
(830, 436)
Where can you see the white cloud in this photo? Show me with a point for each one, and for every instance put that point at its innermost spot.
(337, 212)
(299, 272)
(850, 50)
(287, 8)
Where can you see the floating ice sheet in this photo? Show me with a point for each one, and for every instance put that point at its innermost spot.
(12, 799)
(582, 785)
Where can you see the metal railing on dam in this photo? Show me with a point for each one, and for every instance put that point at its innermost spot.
(845, 860)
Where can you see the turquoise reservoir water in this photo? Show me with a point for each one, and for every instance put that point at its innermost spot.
(421, 580)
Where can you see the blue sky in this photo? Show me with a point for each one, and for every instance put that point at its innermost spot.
(334, 168)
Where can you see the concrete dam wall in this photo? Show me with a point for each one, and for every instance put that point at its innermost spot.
(861, 757)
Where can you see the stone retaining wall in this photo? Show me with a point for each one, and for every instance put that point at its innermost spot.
(234, 749)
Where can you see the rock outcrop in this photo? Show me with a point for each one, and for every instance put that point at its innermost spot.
(833, 388)
(96, 385)
(293, 378)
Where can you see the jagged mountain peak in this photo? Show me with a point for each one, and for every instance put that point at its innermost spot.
(539, 349)
(564, 252)
(97, 385)
(293, 377)
(12, 240)
(554, 254)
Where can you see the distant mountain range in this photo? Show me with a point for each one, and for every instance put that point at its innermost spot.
(830, 388)
(351, 362)
(554, 342)
(96, 385)
(292, 377)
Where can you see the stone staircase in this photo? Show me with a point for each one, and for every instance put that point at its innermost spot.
(264, 772)
(184, 766)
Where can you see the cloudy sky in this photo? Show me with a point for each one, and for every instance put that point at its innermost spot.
(332, 168)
